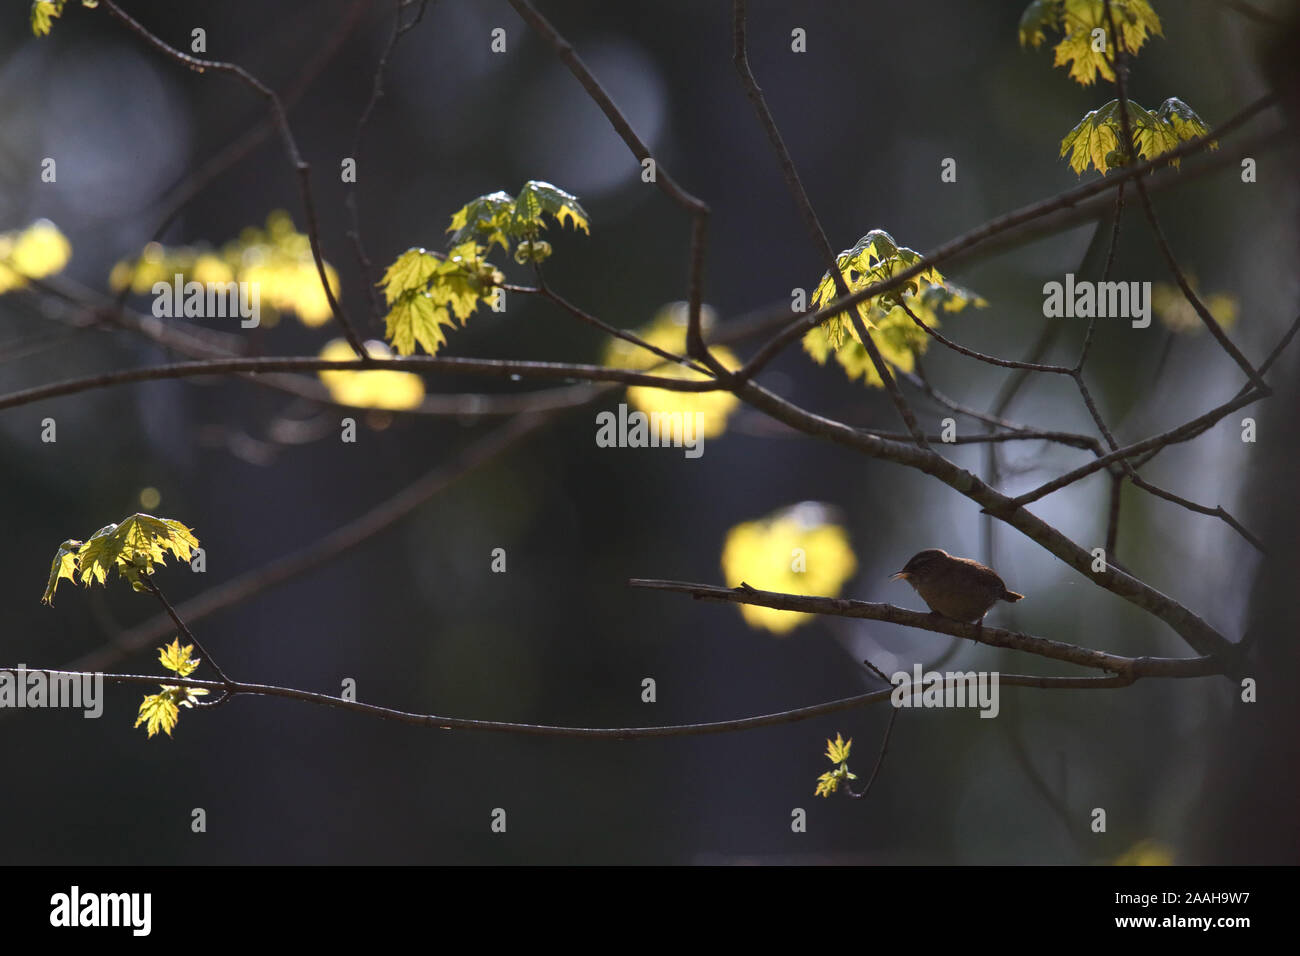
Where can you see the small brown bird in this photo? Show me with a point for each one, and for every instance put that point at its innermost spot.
(957, 588)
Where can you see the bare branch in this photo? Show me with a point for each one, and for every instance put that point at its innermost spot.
(996, 636)
(302, 169)
(436, 722)
(880, 760)
(495, 368)
(152, 588)
(376, 94)
(185, 192)
(698, 210)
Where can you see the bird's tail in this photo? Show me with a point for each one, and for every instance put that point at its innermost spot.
(1011, 596)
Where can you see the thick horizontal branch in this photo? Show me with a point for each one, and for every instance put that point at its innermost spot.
(996, 636)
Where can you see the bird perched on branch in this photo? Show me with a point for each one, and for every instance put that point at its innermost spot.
(957, 588)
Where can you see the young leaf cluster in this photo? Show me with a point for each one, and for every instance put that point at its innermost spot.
(500, 218)
(874, 258)
(1098, 137)
(837, 752)
(161, 711)
(44, 12)
(1077, 21)
(132, 548)
(427, 291)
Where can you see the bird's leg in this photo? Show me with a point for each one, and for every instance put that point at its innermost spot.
(979, 630)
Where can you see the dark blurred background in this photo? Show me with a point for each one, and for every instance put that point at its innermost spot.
(884, 93)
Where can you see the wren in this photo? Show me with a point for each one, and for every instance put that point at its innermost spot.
(957, 588)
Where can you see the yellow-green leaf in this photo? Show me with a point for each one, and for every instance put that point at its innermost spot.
(414, 318)
(462, 281)
(484, 218)
(176, 658)
(837, 750)
(158, 712)
(536, 198)
(161, 711)
(1097, 137)
(132, 548)
(1039, 16)
(876, 257)
(64, 566)
(827, 784)
(43, 12)
(1079, 18)
(409, 272)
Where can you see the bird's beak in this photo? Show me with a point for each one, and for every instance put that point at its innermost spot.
(900, 574)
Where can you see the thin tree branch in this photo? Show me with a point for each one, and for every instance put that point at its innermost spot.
(957, 247)
(696, 208)
(981, 356)
(436, 722)
(918, 380)
(198, 343)
(546, 292)
(880, 760)
(1112, 514)
(495, 368)
(740, 57)
(302, 169)
(1185, 432)
(153, 589)
(1156, 443)
(1215, 512)
(376, 94)
(193, 184)
(981, 634)
(1119, 58)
